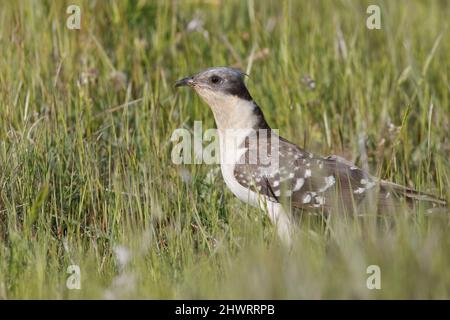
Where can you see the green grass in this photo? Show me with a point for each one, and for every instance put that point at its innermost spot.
(85, 174)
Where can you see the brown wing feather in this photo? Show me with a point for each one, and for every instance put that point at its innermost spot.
(311, 182)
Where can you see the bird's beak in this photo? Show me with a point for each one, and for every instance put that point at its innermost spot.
(188, 81)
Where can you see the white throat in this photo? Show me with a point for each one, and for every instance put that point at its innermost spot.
(230, 112)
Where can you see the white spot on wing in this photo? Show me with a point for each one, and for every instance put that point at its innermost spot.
(367, 184)
(307, 173)
(329, 182)
(320, 200)
(320, 163)
(359, 190)
(307, 198)
(298, 184)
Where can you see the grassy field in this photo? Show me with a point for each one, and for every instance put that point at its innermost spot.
(86, 176)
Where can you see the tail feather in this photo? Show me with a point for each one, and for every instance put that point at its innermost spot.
(411, 194)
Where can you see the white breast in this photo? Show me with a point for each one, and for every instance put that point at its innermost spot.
(230, 153)
(229, 149)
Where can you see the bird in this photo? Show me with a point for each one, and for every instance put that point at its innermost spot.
(268, 171)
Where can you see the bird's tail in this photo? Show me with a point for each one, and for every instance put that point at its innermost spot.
(412, 195)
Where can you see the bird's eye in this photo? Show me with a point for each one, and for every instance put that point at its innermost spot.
(215, 79)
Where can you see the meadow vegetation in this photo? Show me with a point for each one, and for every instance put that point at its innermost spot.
(86, 176)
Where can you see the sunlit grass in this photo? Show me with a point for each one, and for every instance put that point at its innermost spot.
(86, 118)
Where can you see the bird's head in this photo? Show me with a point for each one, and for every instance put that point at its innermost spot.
(224, 90)
(216, 84)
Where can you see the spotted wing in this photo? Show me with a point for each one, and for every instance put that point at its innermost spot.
(305, 180)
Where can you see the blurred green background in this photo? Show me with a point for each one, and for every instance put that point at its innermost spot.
(86, 118)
